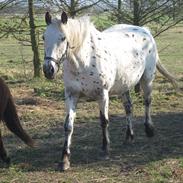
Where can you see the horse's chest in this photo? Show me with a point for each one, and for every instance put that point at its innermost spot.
(90, 81)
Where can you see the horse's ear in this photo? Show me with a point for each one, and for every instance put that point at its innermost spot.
(47, 18)
(64, 17)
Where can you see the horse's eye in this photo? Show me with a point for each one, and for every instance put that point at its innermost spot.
(43, 38)
(63, 38)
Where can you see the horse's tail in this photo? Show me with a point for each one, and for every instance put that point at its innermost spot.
(9, 115)
(12, 121)
(166, 74)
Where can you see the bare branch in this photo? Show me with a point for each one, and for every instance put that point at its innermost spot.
(163, 30)
(6, 3)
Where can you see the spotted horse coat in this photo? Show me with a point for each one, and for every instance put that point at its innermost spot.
(98, 64)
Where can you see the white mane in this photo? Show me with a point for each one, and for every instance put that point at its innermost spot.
(76, 30)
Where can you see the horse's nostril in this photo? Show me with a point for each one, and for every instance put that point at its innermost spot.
(52, 70)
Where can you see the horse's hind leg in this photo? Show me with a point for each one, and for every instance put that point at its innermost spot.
(147, 88)
(3, 153)
(128, 109)
(104, 119)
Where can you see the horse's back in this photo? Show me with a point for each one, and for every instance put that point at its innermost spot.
(140, 39)
(125, 28)
(141, 35)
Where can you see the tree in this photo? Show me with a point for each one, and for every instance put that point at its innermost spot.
(34, 43)
(72, 7)
(163, 13)
(17, 27)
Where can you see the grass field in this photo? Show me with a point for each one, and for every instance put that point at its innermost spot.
(40, 106)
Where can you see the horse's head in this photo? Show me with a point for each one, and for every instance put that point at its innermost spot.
(55, 45)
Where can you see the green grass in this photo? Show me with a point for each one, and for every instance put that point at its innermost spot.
(41, 106)
(170, 43)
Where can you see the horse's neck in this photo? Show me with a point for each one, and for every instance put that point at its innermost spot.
(81, 58)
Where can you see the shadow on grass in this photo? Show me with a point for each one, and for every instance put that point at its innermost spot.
(86, 144)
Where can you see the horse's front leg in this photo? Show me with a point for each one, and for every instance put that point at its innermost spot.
(103, 106)
(71, 101)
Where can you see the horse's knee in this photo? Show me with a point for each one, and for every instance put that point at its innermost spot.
(127, 103)
(68, 127)
(104, 121)
(147, 101)
(128, 107)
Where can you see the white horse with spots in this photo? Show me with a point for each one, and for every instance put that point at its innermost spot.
(97, 64)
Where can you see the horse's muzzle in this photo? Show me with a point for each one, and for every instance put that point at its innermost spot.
(48, 71)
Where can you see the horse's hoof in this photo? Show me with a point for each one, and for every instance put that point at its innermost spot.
(105, 156)
(129, 138)
(63, 166)
(149, 129)
(128, 141)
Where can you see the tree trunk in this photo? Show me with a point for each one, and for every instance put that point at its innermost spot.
(119, 11)
(34, 43)
(136, 12)
(136, 19)
(73, 8)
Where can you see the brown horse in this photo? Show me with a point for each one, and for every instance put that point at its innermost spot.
(8, 115)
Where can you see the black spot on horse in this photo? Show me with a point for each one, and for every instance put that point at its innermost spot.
(105, 51)
(133, 35)
(144, 39)
(91, 73)
(149, 51)
(99, 38)
(98, 55)
(93, 65)
(93, 47)
(127, 35)
(94, 57)
(144, 32)
(101, 75)
(135, 29)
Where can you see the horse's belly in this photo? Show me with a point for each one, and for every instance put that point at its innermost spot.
(126, 80)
